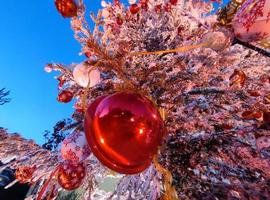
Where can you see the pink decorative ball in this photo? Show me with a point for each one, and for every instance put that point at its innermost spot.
(75, 148)
(252, 21)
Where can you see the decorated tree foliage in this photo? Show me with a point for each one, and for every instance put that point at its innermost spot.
(172, 98)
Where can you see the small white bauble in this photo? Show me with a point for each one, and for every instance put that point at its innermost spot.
(218, 40)
(252, 21)
(82, 74)
(75, 148)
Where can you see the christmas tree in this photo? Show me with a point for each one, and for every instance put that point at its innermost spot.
(173, 99)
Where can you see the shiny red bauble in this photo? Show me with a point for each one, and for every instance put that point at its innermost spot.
(134, 8)
(65, 96)
(124, 131)
(70, 175)
(67, 8)
(173, 2)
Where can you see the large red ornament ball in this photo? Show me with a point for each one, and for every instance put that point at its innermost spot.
(67, 8)
(75, 148)
(124, 131)
(70, 175)
(252, 21)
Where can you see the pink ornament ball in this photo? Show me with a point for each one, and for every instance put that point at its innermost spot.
(252, 21)
(75, 148)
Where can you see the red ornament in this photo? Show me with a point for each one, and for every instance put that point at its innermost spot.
(168, 7)
(119, 21)
(250, 114)
(134, 8)
(124, 131)
(70, 175)
(144, 4)
(173, 2)
(67, 8)
(158, 8)
(116, 2)
(65, 96)
(24, 174)
(266, 117)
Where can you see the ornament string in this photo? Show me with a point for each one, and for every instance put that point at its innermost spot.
(180, 49)
(250, 46)
(46, 184)
(170, 192)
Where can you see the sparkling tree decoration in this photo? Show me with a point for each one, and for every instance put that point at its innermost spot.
(181, 66)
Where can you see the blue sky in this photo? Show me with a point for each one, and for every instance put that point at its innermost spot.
(32, 33)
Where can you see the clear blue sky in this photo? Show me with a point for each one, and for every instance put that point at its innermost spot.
(32, 34)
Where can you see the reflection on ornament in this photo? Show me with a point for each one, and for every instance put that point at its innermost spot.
(24, 174)
(70, 175)
(252, 21)
(75, 148)
(124, 131)
(67, 8)
(83, 73)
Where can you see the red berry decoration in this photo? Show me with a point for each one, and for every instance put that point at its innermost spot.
(134, 8)
(70, 175)
(65, 96)
(67, 8)
(124, 131)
